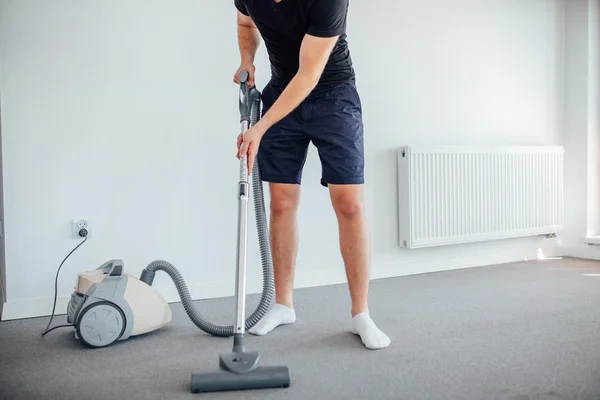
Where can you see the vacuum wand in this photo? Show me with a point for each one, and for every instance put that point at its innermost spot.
(242, 243)
(239, 369)
(247, 98)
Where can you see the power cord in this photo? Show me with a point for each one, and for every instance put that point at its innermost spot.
(84, 234)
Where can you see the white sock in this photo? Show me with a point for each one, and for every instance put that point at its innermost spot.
(278, 315)
(371, 336)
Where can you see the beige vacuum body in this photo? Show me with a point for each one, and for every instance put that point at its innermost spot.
(109, 305)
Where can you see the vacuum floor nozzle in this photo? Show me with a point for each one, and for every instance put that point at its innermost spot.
(259, 378)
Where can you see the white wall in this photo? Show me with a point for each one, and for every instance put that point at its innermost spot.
(581, 137)
(124, 113)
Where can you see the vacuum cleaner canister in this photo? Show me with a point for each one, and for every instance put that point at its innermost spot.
(108, 305)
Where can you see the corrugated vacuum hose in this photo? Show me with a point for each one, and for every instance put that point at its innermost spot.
(250, 112)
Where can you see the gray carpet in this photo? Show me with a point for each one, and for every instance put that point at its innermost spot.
(521, 331)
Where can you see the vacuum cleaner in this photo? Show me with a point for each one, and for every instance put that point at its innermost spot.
(109, 305)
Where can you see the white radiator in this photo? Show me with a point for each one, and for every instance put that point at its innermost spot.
(461, 194)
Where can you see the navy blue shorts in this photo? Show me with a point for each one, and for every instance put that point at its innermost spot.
(332, 120)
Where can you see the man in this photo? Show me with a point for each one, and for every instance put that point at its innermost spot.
(311, 97)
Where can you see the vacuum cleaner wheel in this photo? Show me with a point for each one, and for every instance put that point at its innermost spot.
(100, 324)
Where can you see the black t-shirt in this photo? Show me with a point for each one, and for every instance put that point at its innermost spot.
(283, 26)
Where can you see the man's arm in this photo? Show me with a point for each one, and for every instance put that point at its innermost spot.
(248, 42)
(314, 54)
(248, 37)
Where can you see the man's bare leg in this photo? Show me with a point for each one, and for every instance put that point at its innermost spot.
(285, 199)
(348, 203)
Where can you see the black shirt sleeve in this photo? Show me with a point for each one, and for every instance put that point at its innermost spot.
(327, 18)
(239, 4)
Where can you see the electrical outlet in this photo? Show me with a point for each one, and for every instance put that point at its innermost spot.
(79, 224)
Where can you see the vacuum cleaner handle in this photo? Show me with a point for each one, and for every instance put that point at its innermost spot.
(248, 96)
(244, 103)
(113, 267)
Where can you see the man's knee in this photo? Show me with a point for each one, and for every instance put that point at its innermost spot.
(347, 200)
(284, 198)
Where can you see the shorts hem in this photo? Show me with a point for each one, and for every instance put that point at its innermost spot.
(354, 180)
(280, 179)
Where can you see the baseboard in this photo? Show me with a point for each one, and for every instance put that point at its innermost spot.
(32, 308)
(586, 251)
(425, 267)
